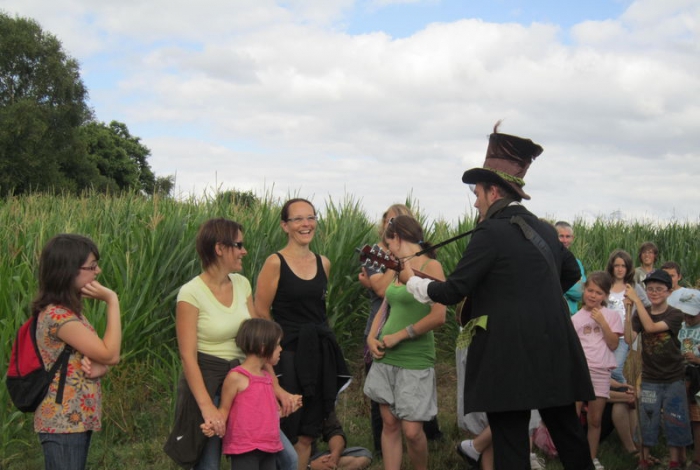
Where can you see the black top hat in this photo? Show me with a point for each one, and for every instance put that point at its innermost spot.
(507, 159)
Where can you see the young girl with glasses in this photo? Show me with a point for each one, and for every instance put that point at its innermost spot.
(68, 273)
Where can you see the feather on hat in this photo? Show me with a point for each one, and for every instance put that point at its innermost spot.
(508, 158)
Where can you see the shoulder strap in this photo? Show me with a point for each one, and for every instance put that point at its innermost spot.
(60, 364)
(544, 248)
(536, 240)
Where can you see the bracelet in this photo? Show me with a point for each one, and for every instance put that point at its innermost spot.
(411, 332)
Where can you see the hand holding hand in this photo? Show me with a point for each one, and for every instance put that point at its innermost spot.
(376, 347)
(207, 429)
(288, 403)
(213, 418)
(297, 403)
(325, 462)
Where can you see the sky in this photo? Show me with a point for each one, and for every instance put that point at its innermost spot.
(376, 101)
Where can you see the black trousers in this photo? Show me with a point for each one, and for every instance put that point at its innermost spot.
(511, 443)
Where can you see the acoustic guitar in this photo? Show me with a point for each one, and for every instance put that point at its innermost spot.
(374, 256)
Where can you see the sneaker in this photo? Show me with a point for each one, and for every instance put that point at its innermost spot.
(536, 462)
(597, 465)
(471, 462)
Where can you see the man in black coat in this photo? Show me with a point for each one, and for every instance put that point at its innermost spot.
(524, 353)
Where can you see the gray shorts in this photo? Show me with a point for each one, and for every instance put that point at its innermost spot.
(410, 394)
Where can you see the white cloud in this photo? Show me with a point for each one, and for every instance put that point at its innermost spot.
(254, 95)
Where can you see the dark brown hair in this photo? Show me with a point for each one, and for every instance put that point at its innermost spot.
(624, 256)
(284, 214)
(648, 246)
(503, 190)
(672, 265)
(407, 228)
(259, 337)
(59, 266)
(215, 231)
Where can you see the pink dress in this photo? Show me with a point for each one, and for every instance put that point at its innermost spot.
(254, 418)
(601, 359)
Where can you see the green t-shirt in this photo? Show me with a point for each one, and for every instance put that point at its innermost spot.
(417, 353)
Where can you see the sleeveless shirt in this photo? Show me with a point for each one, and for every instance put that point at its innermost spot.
(299, 301)
(253, 420)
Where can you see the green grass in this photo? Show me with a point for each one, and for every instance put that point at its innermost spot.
(147, 252)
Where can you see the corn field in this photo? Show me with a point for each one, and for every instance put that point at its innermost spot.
(147, 253)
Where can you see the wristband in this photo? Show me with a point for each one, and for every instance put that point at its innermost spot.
(411, 332)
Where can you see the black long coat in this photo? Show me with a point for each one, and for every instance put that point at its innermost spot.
(529, 357)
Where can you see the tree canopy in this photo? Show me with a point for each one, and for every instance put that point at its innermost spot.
(49, 139)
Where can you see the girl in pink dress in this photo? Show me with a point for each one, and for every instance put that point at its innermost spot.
(599, 330)
(251, 434)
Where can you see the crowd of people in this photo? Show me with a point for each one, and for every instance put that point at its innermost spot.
(618, 348)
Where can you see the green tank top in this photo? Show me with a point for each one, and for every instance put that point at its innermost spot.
(417, 353)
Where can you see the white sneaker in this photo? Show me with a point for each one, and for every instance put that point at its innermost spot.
(598, 465)
(536, 462)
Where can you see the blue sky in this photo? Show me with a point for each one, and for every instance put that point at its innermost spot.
(403, 19)
(382, 99)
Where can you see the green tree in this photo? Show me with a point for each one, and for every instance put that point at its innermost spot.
(42, 106)
(121, 159)
(49, 140)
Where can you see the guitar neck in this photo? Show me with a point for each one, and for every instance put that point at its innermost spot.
(425, 276)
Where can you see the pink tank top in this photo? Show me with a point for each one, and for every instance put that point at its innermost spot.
(254, 419)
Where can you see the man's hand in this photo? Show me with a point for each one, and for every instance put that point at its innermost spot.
(325, 462)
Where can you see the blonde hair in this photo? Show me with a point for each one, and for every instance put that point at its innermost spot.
(397, 209)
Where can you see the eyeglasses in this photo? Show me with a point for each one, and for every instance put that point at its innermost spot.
(92, 267)
(238, 245)
(656, 290)
(298, 220)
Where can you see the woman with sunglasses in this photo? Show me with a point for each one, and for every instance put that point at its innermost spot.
(291, 289)
(210, 309)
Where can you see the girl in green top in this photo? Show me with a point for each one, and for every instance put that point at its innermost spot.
(402, 378)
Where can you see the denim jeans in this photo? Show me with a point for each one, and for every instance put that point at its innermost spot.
(211, 455)
(288, 458)
(671, 398)
(67, 451)
(620, 357)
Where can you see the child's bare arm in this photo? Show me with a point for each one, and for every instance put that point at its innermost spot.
(647, 323)
(232, 385)
(612, 340)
